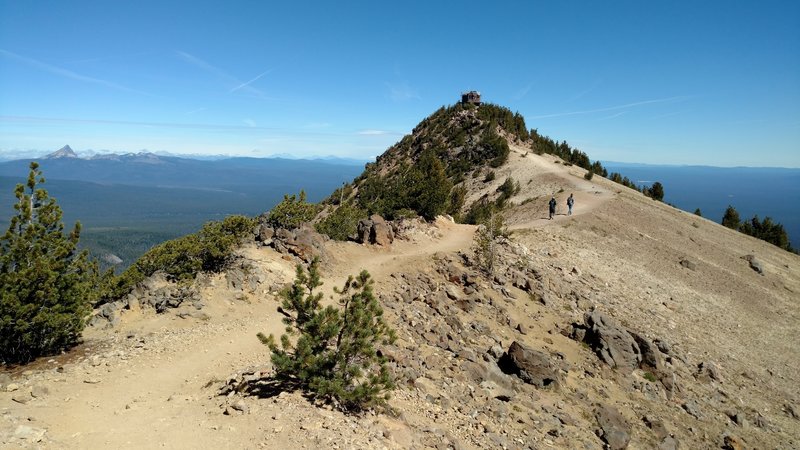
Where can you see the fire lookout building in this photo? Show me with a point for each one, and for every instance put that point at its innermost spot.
(473, 97)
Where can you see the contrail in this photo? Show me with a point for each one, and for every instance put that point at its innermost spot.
(248, 83)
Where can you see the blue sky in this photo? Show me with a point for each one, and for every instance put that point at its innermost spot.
(711, 82)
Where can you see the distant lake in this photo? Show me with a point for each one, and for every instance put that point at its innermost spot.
(772, 192)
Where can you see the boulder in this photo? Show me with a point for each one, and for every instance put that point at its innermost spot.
(531, 366)
(612, 343)
(374, 230)
(614, 429)
(650, 356)
(381, 233)
(304, 243)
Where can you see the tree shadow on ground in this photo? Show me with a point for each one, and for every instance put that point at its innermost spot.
(269, 387)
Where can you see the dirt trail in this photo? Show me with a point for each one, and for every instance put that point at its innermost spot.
(147, 390)
(545, 176)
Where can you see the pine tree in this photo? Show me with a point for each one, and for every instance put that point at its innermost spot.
(656, 191)
(697, 212)
(334, 357)
(731, 218)
(46, 285)
(428, 186)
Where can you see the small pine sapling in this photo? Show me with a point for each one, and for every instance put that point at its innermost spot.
(334, 357)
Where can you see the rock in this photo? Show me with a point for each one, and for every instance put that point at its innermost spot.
(730, 442)
(241, 406)
(790, 410)
(614, 429)
(650, 356)
(265, 234)
(374, 230)
(613, 344)
(669, 443)
(304, 243)
(451, 292)
(688, 264)
(22, 397)
(658, 427)
(738, 418)
(11, 387)
(690, 406)
(663, 346)
(497, 392)
(708, 371)
(427, 386)
(91, 380)
(496, 351)
(755, 263)
(381, 233)
(531, 366)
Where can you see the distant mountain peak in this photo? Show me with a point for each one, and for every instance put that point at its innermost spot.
(64, 152)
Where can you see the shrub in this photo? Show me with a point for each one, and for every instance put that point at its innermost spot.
(484, 241)
(341, 224)
(334, 357)
(291, 212)
(698, 213)
(589, 175)
(46, 285)
(458, 196)
(210, 250)
(489, 177)
(479, 212)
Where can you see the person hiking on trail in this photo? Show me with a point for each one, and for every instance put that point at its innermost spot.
(570, 202)
(552, 207)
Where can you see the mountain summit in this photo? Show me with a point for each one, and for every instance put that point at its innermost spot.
(64, 152)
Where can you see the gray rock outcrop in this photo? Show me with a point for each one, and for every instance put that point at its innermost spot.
(531, 366)
(614, 429)
(612, 343)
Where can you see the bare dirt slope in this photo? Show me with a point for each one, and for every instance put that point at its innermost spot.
(726, 334)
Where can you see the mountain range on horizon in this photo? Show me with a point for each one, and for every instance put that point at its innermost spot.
(68, 152)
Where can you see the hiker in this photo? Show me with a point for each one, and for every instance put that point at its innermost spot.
(552, 207)
(570, 202)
